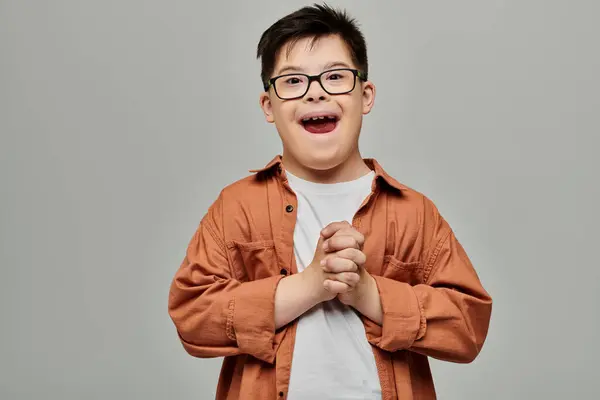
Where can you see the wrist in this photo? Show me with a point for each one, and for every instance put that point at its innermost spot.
(313, 285)
(363, 290)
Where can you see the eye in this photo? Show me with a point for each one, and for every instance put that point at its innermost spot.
(335, 76)
(293, 80)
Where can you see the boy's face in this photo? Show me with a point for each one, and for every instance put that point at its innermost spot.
(332, 139)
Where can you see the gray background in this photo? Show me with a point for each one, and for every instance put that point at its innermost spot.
(121, 120)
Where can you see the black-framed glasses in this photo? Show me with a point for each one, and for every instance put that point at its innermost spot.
(333, 81)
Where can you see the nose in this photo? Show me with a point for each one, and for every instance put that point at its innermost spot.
(315, 93)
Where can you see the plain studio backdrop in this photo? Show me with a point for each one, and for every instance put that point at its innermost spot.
(121, 121)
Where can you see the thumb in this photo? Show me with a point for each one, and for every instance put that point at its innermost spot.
(319, 250)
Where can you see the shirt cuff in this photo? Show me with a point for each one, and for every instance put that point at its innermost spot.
(251, 320)
(403, 317)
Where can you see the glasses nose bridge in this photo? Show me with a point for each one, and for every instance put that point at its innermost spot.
(315, 78)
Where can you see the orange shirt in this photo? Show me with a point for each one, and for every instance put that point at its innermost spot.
(222, 296)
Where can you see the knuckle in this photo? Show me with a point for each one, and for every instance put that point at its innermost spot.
(345, 265)
(334, 267)
(361, 257)
(342, 232)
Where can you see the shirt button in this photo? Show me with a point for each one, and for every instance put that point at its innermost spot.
(289, 208)
(283, 271)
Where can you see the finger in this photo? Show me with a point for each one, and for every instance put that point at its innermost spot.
(360, 239)
(335, 286)
(356, 256)
(337, 243)
(333, 227)
(337, 264)
(349, 278)
(320, 252)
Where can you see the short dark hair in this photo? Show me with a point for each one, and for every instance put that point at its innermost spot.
(312, 21)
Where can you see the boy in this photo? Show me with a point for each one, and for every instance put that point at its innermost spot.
(320, 276)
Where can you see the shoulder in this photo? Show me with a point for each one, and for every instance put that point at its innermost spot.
(400, 196)
(404, 197)
(247, 193)
(241, 211)
(247, 188)
(411, 205)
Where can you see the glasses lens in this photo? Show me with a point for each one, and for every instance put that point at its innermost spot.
(335, 82)
(338, 81)
(291, 86)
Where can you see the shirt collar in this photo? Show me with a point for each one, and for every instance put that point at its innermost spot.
(277, 164)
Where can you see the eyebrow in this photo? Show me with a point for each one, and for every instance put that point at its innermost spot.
(293, 68)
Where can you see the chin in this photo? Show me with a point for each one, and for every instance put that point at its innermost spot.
(322, 162)
(318, 152)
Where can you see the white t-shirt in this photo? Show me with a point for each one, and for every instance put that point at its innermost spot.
(332, 357)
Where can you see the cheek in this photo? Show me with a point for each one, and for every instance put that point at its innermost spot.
(353, 105)
(353, 112)
(284, 114)
(285, 123)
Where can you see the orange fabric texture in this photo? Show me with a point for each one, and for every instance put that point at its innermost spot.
(222, 296)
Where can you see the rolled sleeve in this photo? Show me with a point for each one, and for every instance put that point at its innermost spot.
(446, 316)
(251, 316)
(403, 318)
(217, 315)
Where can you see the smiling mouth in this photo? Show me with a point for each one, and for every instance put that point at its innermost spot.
(320, 125)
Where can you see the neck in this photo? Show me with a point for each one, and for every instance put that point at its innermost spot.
(352, 168)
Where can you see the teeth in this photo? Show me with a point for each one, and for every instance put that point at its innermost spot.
(318, 118)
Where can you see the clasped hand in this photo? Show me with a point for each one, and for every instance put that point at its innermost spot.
(339, 254)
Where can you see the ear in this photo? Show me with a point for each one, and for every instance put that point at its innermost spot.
(267, 106)
(368, 96)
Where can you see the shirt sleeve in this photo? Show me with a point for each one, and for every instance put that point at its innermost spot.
(447, 316)
(216, 315)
